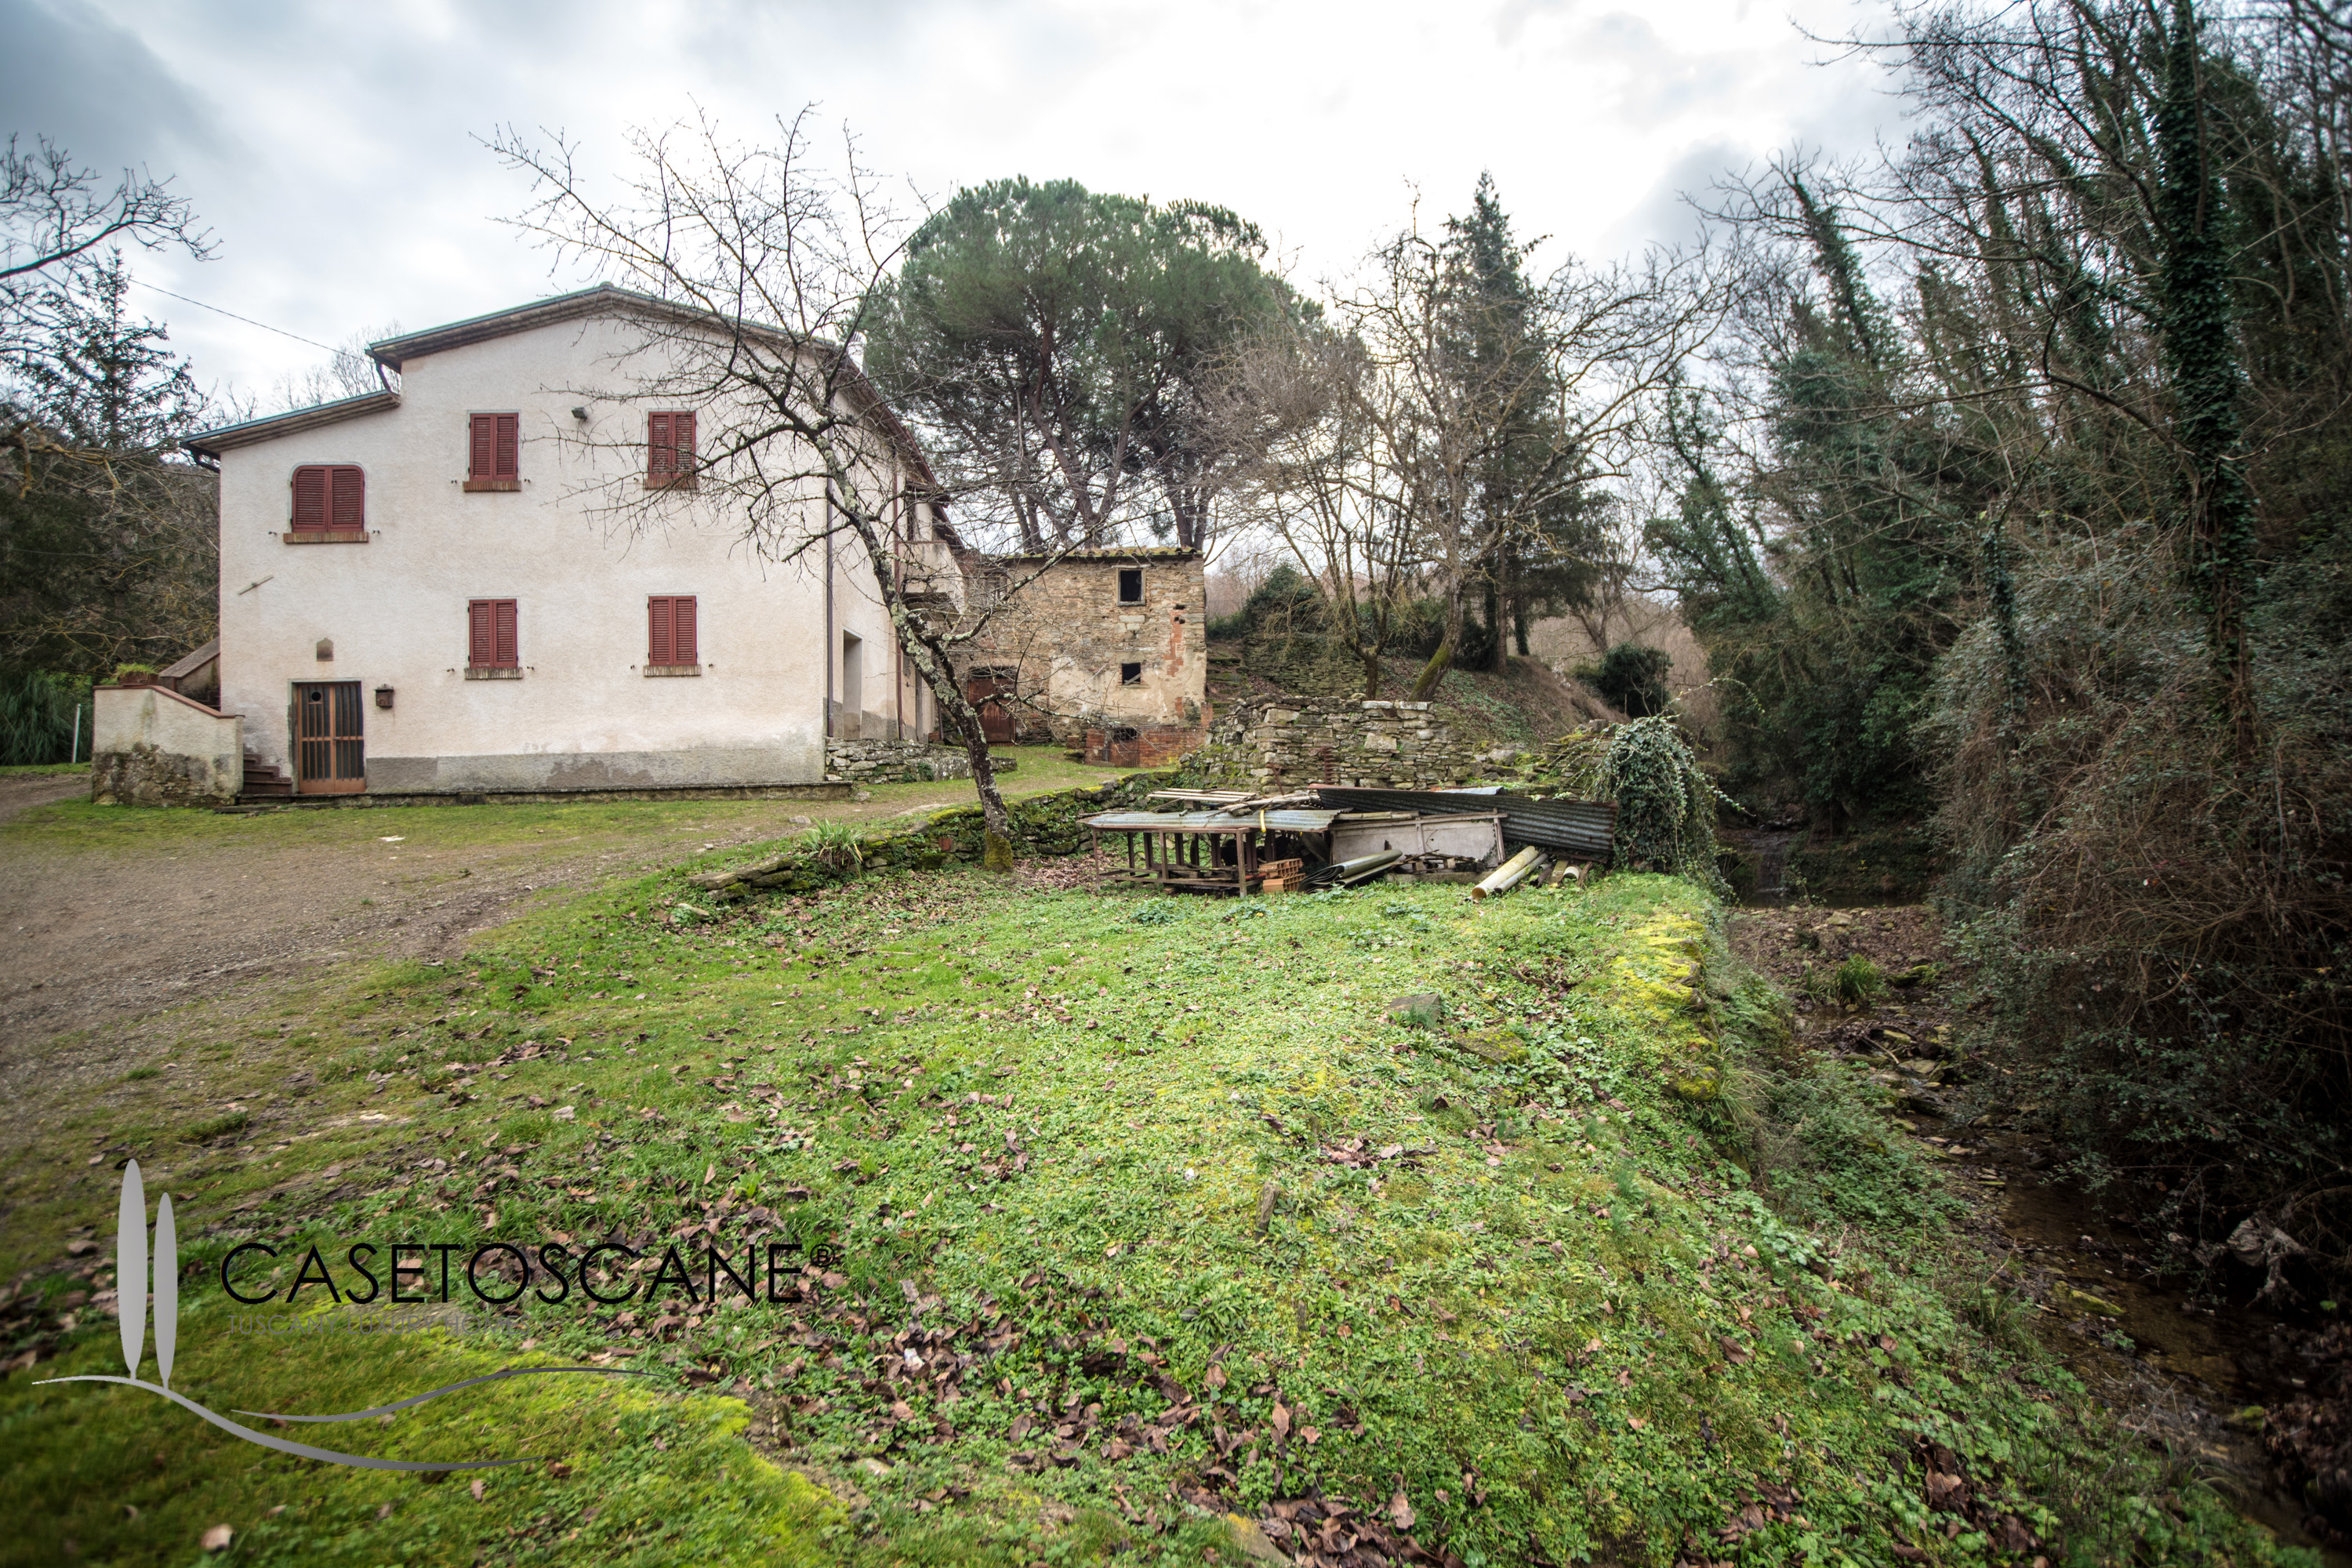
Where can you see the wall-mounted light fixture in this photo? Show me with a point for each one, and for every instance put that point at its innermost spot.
(581, 413)
(384, 696)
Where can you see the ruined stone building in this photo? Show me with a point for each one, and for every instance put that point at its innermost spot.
(1104, 650)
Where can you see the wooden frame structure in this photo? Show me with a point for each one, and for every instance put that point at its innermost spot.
(1183, 851)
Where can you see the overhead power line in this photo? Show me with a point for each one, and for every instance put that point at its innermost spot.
(233, 316)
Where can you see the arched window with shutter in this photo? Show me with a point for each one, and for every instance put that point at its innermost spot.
(329, 502)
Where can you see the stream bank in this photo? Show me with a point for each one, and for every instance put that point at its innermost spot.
(2195, 1367)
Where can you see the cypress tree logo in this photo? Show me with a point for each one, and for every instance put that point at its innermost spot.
(130, 1284)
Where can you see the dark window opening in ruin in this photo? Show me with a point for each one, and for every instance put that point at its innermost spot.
(1130, 675)
(1130, 586)
(1121, 734)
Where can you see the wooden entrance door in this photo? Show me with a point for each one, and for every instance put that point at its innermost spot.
(330, 738)
(985, 692)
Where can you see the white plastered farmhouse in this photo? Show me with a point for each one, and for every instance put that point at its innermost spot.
(503, 578)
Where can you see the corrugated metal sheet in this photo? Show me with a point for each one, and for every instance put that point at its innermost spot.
(1286, 821)
(1582, 828)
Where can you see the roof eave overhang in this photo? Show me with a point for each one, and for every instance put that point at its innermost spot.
(253, 432)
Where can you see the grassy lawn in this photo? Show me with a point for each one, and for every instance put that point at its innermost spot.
(1151, 1236)
(79, 826)
(42, 770)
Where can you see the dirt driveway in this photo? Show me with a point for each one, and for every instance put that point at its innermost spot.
(114, 916)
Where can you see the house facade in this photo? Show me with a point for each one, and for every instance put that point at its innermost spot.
(1103, 649)
(510, 576)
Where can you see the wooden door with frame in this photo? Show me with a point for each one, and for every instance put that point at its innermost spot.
(330, 738)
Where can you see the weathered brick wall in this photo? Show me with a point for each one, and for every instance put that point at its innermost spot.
(1293, 741)
(1064, 637)
(1150, 746)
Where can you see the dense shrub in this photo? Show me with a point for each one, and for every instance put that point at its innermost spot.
(1665, 806)
(37, 717)
(2156, 907)
(1633, 678)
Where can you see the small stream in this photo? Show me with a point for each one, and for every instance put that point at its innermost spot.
(2177, 1363)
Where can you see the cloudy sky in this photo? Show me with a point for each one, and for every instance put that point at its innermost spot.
(334, 151)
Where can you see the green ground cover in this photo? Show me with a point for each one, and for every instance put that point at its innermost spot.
(1143, 1216)
(41, 769)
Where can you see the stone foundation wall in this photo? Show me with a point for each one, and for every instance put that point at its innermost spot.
(893, 761)
(151, 746)
(1294, 741)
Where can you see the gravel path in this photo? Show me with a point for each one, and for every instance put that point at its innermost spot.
(111, 921)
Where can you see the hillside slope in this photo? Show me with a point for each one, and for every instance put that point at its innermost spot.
(1159, 1239)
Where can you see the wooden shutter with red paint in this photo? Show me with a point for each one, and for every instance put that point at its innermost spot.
(329, 499)
(658, 453)
(491, 642)
(346, 499)
(670, 630)
(493, 452)
(669, 448)
(310, 499)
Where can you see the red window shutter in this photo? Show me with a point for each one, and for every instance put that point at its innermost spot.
(681, 441)
(682, 646)
(491, 642)
(310, 498)
(659, 452)
(510, 446)
(661, 638)
(347, 498)
(482, 645)
(482, 461)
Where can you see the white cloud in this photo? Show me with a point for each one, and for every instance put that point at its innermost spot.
(334, 147)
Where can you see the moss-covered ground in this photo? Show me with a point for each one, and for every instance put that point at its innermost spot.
(1150, 1236)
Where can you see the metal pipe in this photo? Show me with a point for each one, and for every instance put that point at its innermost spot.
(1510, 873)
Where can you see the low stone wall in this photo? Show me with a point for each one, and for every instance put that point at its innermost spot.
(1293, 741)
(1043, 825)
(893, 761)
(151, 746)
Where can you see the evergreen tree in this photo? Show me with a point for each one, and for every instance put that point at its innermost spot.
(1533, 521)
(105, 382)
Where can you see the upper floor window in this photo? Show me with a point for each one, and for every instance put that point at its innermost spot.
(670, 640)
(492, 641)
(1130, 586)
(329, 499)
(670, 450)
(494, 458)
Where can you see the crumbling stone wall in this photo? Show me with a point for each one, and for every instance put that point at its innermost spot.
(1063, 642)
(893, 761)
(151, 746)
(148, 775)
(1293, 741)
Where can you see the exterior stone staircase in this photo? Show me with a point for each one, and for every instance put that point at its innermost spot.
(265, 783)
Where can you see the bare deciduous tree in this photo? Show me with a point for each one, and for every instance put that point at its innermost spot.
(754, 269)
